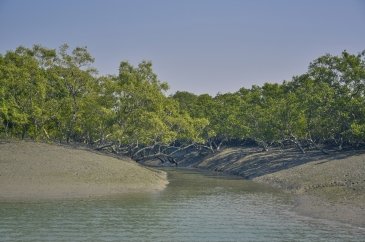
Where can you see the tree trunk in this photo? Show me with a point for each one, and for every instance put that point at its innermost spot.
(340, 144)
(46, 133)
(300, 146)
(24, 130)
(262, 144)
(316, 146)
(297, 143)
(104, 146)
(219, 145)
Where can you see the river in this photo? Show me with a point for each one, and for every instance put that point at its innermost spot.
(194, 207)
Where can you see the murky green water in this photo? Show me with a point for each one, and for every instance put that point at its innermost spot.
(194, 207)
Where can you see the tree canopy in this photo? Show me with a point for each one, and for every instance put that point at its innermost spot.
(48, 94)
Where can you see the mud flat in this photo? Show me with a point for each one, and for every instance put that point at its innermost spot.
(30, 170)
(329, 186)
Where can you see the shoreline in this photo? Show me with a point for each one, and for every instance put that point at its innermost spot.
(325, 186)
(39, 171)
(331, 188)
(318, 208)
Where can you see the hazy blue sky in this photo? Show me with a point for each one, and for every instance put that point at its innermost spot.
(195, 45)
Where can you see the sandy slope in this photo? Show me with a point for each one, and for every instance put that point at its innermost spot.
(31, 170)
(330, 186)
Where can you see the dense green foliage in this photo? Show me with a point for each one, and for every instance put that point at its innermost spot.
(55, 95)
(326, 105)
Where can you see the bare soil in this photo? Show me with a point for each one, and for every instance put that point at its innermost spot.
(329, 186)
(30, 170)
(332, 188)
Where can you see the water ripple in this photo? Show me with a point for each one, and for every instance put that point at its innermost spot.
(193, 208)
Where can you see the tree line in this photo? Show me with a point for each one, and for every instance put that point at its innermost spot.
(56, 95)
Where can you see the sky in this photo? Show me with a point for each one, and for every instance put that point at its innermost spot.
(200, 46)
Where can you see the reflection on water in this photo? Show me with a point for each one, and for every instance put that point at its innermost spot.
(194, 207)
